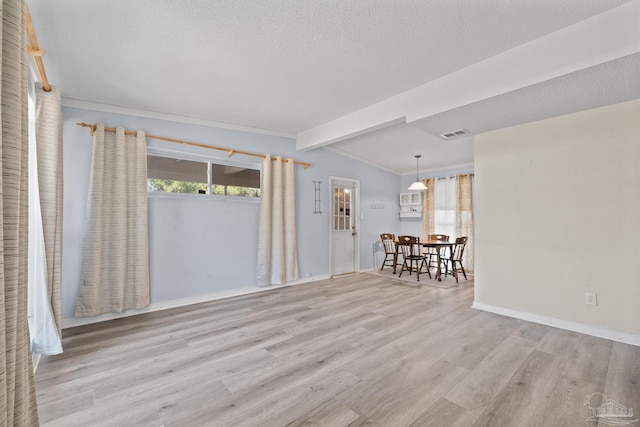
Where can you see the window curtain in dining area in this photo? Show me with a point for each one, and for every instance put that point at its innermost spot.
(464, 216)
(18, 405)
(277, 260)
(115, 264)
(45, 223)
(428, 209)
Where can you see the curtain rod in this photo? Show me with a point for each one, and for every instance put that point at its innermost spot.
(450, 176)
(35, 51)
(230, 151)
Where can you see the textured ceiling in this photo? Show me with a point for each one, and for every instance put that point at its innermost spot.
(282, 65)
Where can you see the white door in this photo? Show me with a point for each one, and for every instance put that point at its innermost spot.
(343, 227)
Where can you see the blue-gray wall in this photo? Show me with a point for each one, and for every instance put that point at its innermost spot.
(202, 245)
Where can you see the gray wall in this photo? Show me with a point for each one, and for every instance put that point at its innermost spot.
(202, 245)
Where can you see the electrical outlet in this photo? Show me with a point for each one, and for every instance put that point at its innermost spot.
(591, 298)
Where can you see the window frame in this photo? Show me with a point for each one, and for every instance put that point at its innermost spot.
(209, 160)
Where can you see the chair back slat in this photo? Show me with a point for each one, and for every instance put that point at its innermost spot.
(458, 248)
(439, 238)
(388, 241)
(390, 251)
(409, 246)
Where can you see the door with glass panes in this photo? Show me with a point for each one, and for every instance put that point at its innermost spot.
(343, 227)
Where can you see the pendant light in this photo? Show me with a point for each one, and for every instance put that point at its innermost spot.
(418, 185)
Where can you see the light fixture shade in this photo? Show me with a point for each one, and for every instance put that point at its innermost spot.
(418, 185)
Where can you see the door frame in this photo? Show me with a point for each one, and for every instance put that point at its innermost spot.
(356, 243)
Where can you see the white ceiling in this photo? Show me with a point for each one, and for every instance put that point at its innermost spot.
(305, 68)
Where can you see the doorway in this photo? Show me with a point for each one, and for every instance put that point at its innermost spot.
(344, 247)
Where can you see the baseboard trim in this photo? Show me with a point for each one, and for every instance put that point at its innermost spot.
(181, 302)
(583, 328)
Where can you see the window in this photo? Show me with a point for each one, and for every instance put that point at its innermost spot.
(174, 174)
(234, 181)
(342, 209)
(445, 205)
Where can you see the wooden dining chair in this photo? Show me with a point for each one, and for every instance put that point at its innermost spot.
(390, 250)
(413, 258)
(456, 257)
(432, 253)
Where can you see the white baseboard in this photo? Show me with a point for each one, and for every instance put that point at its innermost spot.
(583, 328)
(181, 302)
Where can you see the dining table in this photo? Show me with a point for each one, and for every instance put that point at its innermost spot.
(439, 245)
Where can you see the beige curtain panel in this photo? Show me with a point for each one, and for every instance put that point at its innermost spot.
(17, 390)
(277, 262)
(49, 153)
(428, 209)
(464, 216)
(115, 264)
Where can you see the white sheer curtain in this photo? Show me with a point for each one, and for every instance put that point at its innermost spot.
(45, 221)
(115, 264)
(445, 206)
(277, 259)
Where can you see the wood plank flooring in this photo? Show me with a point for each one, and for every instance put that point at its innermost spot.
(352, 351)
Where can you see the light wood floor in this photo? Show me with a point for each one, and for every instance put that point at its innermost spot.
(358, 350)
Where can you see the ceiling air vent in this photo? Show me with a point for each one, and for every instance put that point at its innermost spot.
(454, 133)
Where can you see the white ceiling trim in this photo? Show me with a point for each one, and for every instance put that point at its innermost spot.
(596, 40)
(106, 108)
